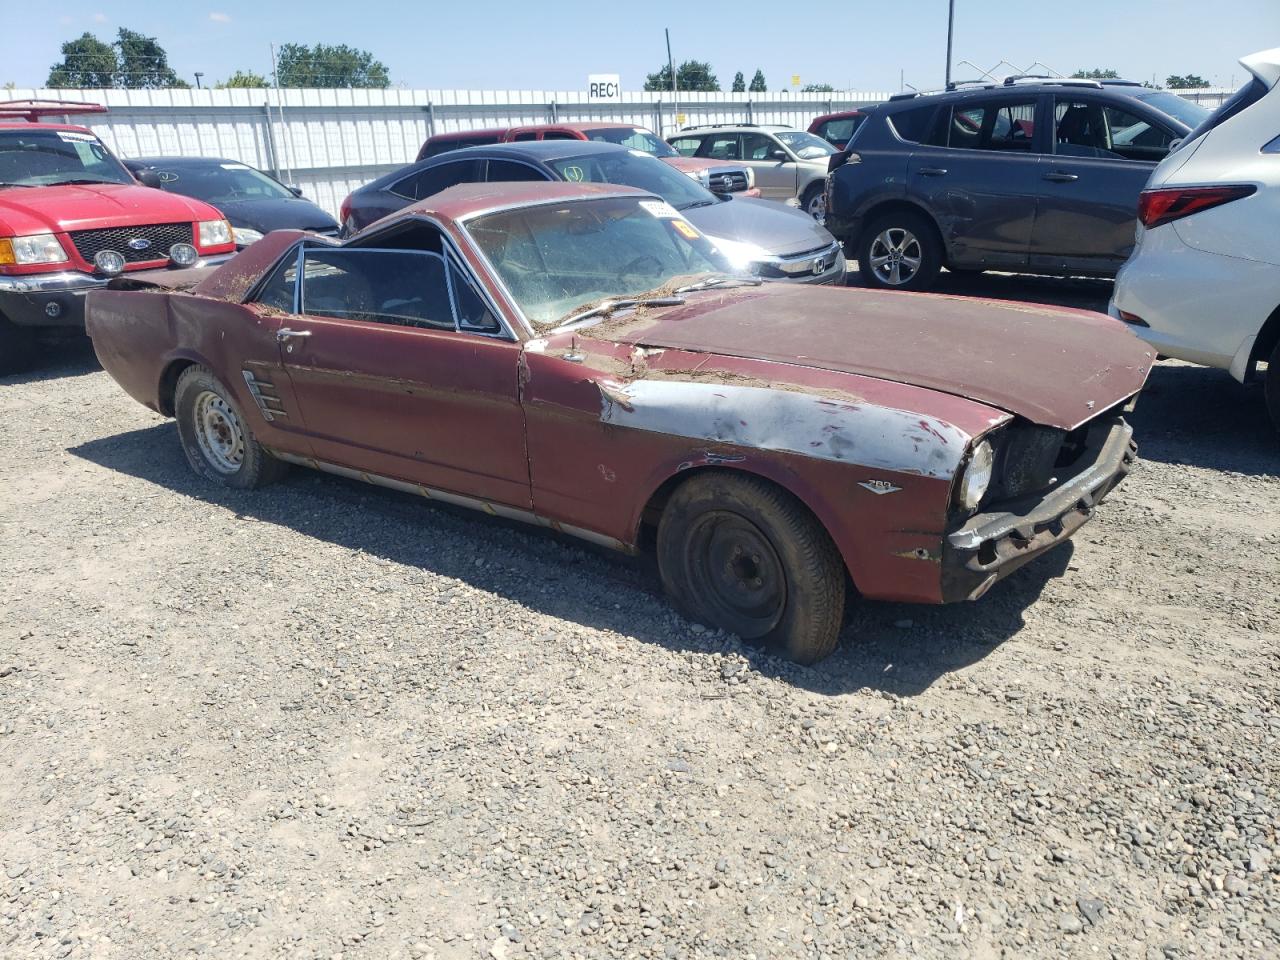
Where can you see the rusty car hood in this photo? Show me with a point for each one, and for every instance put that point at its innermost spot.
(1051, 365)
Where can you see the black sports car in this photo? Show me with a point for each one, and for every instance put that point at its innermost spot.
(254, 202)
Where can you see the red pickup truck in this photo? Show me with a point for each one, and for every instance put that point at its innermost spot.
(72, 217)
(718, 176)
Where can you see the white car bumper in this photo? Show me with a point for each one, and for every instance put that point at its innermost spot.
(1201, 307)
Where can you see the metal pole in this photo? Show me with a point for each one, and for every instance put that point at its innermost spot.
(198, 76)
(671, 65)
(951, 19)
(275, 73)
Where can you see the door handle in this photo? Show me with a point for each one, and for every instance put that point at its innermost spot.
(1059, 177)
(287, 334)
(932, 171)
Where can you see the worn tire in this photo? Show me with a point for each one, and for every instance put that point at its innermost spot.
(815, 196)
(925, 237)
(210, 420)
(741, 554)
(1272, 386)
(17, 347)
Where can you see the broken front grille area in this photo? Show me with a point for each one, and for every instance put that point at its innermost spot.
(1030, 457)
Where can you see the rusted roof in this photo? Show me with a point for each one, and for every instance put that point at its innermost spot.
(466, 199)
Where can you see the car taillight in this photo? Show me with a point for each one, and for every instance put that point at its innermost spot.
(1173, 203)
(344, 211)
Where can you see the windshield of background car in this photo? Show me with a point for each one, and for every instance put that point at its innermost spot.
(637, 138)
(222, 183)
(640, 171)
(558, 258)
(805, 145)
(41, 158)
(1180, 108)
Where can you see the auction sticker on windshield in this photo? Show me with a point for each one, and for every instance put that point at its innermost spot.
(573, 174)
(686, 228)
(660, 209)
(71, 137)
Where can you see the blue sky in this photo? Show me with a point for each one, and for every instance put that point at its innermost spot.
(553, 46)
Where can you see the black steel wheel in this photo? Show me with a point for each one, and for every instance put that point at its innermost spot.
(740, 553)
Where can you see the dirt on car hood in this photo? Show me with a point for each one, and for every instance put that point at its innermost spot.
(1051, 365)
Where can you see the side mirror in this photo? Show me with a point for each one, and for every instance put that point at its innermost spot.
(778, 154)
(295, 190)
(148, 178)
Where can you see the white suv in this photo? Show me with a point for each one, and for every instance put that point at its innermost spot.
(1203, 283)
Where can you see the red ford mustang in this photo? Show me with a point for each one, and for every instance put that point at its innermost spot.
(579, 357)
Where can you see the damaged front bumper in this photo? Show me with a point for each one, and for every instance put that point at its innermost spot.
(995, 542)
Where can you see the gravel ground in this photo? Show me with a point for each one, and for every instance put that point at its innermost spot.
(328, 720)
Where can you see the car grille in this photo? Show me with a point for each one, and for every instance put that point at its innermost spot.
(730, 181)
(802, 264)
(160, 238)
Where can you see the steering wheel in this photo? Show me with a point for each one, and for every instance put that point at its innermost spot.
(636, 266)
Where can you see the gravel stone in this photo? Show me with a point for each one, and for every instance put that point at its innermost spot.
(335, 733)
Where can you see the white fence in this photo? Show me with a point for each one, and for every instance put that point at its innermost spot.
(331, 141)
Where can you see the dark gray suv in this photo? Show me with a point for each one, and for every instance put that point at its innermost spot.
(1030, 176)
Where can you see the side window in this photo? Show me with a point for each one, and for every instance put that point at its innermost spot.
(913, 125)
(527, 135)
(723, 147)
(1090, 129)
(838, 131)
(473, 313)
(555, 135)
(508, 171)
(685, 146)
(992, 126)
(277, 292)
(400, 287)
(756, 146)
(428, 182)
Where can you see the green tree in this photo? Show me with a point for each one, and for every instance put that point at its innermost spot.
(817, 88)
(1096, 74)
(87, 63)
(329, 66)
(244, 78)
(143, 64)
(757, 83)
(134, 60)
(739, 84)
(1188, 82)
(692, 75)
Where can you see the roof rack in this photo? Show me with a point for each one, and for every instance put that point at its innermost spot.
(1024, 78)
(956, 84)
(1117, 82)
(33, 110)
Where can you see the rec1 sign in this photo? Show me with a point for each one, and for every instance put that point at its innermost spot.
(604, 87)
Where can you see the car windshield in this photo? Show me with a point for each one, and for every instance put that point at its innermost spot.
(41, 158)
(805, 145)
(633, 169)
(221, 183)
(1180, 108)
(637, 138)
(557, 259)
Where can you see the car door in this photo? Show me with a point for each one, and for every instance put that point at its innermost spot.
(776, 170)
(1102, 156)
(979, 175)
(401, 369)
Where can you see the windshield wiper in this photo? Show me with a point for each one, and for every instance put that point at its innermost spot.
(719, 282)
(695, 203)
(609, 306)
(17, 184)
(79, 180)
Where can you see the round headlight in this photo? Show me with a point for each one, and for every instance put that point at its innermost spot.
(183, 254)
(109, 262)
(977, 476)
